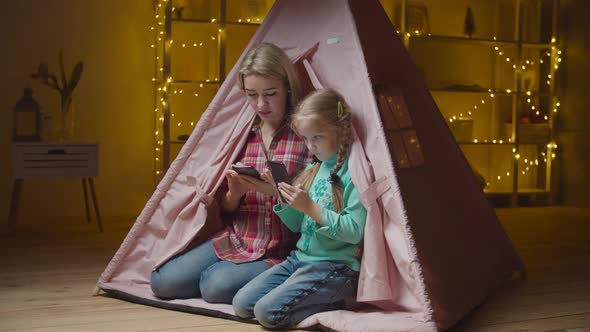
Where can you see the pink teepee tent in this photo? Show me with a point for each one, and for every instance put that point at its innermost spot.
(433, 248)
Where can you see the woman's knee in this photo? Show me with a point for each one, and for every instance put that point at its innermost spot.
(161, 286)
(215, 288)
(168, 285)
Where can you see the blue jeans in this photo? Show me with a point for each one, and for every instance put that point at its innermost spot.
(200, 273)
(289, 292)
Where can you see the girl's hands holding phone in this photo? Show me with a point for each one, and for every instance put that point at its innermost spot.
(298, 198)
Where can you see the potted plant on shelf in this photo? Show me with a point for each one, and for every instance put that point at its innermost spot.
(65, 88)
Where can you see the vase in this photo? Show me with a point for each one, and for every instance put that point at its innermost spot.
(68, 121)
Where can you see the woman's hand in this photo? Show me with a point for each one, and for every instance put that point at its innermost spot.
(236, 189)
(238, 185)
(264, 185)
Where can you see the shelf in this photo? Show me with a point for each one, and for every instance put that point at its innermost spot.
(482, 41)
(200, 21)
(484, 143)
(496, 92)
(522, 191)
(195, 82)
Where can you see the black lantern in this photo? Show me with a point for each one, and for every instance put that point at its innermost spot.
(27, 118)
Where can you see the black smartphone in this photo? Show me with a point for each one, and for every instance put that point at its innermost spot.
(246, 170)
(278, 171)
(279, 174)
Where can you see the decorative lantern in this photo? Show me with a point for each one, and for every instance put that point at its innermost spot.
(27, 118)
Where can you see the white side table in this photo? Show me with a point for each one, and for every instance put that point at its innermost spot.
(41, 160)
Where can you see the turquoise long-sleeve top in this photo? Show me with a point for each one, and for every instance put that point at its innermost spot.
(339, 238)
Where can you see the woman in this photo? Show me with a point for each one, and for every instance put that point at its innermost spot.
(254, 239)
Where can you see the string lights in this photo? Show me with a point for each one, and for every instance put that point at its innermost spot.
(524, 70)
(189, 92)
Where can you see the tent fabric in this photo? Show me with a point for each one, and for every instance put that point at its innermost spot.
(433, 247)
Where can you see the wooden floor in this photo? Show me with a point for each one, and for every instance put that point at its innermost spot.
(50, 267)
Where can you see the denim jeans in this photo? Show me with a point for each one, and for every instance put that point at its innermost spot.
(200, 273)
(289, 292)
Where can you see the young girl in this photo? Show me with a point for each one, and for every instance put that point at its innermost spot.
(254, 238)
(324, 206)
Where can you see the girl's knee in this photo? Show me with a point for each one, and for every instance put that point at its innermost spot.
(242, 306)
(269, 316)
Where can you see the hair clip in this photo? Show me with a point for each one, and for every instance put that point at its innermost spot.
(334, 178)
(340, 109)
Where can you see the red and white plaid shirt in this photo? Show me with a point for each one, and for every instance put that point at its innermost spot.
(256, 232)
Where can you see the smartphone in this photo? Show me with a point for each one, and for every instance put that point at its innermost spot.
(246, 170)
(279, 174)
(278, 171)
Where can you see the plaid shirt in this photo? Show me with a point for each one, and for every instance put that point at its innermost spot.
(255, 231)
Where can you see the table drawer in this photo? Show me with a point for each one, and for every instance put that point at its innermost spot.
(60, 160)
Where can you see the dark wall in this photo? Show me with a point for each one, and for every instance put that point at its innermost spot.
(573, 121)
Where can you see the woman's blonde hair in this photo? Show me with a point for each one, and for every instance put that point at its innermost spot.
(269, 60)
(328, 108)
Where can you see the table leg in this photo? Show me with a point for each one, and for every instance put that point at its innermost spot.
(85, 189)
(13, 215)
(93, 194)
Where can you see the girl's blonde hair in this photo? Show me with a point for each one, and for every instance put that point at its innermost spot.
(269, 60)
(328, 108)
